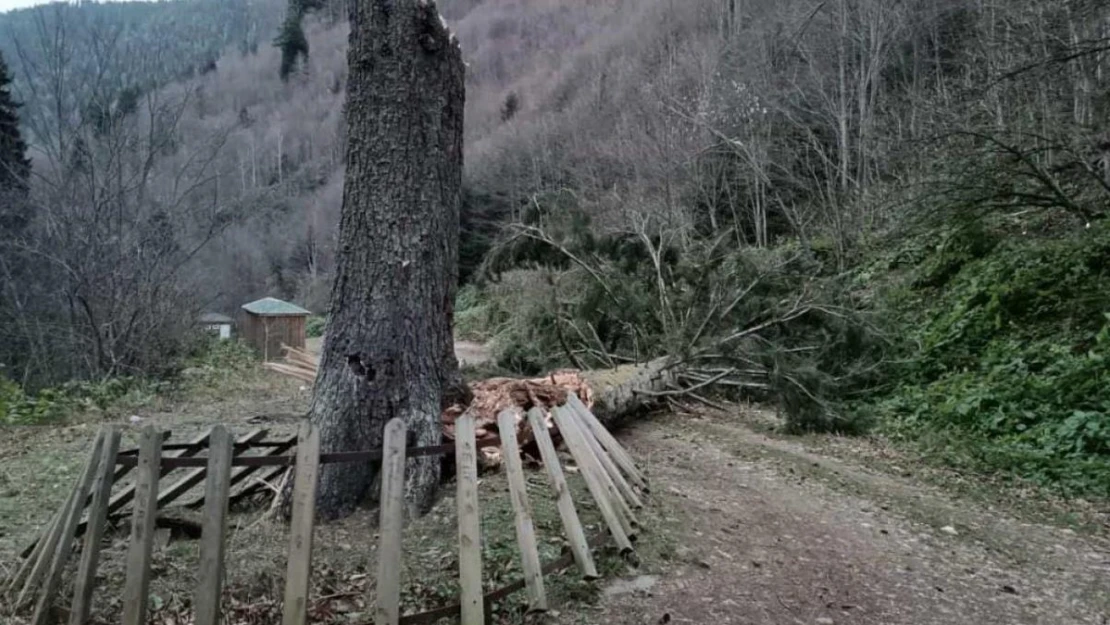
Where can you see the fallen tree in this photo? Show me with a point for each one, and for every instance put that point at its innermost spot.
(611, 394)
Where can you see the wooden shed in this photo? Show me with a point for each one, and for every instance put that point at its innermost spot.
(269, 323)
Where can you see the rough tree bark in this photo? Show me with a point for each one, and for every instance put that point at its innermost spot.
(389, 346)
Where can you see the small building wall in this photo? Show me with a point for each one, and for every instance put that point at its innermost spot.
(267, 333)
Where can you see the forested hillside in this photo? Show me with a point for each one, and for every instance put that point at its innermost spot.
(874, 214)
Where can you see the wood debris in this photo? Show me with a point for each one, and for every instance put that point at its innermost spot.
(490, 398)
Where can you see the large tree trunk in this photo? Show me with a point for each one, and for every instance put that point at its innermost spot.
(388, 351)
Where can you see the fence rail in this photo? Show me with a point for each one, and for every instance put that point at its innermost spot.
(609, 472)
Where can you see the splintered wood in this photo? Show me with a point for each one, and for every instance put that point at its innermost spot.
(491, 397)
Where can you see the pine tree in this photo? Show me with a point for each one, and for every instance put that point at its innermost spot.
(15, 167)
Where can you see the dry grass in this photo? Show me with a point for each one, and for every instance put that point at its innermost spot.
(38, 465)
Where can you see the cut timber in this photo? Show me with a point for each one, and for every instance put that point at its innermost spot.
(576, 537)
(621, 391)
(391, 520)
(611, 471)
(525, 531)
(85, 581)
(582, 456)
(65, 541)
(470, 531)
(619, 454)
(212, 540)
(137, 585)
(594, 466)
(299, 570)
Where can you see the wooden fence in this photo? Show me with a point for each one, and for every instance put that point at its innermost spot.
(611, 476)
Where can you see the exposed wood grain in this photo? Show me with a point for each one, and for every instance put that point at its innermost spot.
(582, 455)
(212, 541)
(137, 586)
(388, 611)
(65, 538)
(522, 509)
(576, 537)
(299, 570)
(609, 442)
(470, 532)
(85, 580)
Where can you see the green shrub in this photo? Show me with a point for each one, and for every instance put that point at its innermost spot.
(1005, 359)
(315, 326)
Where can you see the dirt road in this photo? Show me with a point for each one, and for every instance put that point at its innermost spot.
(768, 533)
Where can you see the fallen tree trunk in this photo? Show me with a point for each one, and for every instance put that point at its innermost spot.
(611, 394)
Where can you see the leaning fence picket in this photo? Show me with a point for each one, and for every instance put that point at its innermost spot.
(525, 530)
(576, 537)
(69, 525)
(85, 580)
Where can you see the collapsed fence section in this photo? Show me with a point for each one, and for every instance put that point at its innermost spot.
(612, 478)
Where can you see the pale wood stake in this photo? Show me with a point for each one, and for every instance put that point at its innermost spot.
(299, 571)
(583, 456)
(611, 470)
(217, 486)
(576, 537)
(608, 441)
(392, 508)
(525, 530)
(85, 580)
(66, 537)
(137, 586)
(593, 466)
(470, 531)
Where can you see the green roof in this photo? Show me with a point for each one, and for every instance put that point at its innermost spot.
(271, 307)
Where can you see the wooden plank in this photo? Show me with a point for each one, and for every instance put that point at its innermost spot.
(623, 488)
(392, 518)
(212, 540)
(470, 529)
(125, 496)
(522, 509)
(85, 581)
(623, 508)
(608, 441)
(137, 585)
(65, 539)
(576, 537)
(582, 456)
(195, 476)
(241, 473)
(299, 571)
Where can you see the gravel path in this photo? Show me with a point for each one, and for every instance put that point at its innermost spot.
(771, 534)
